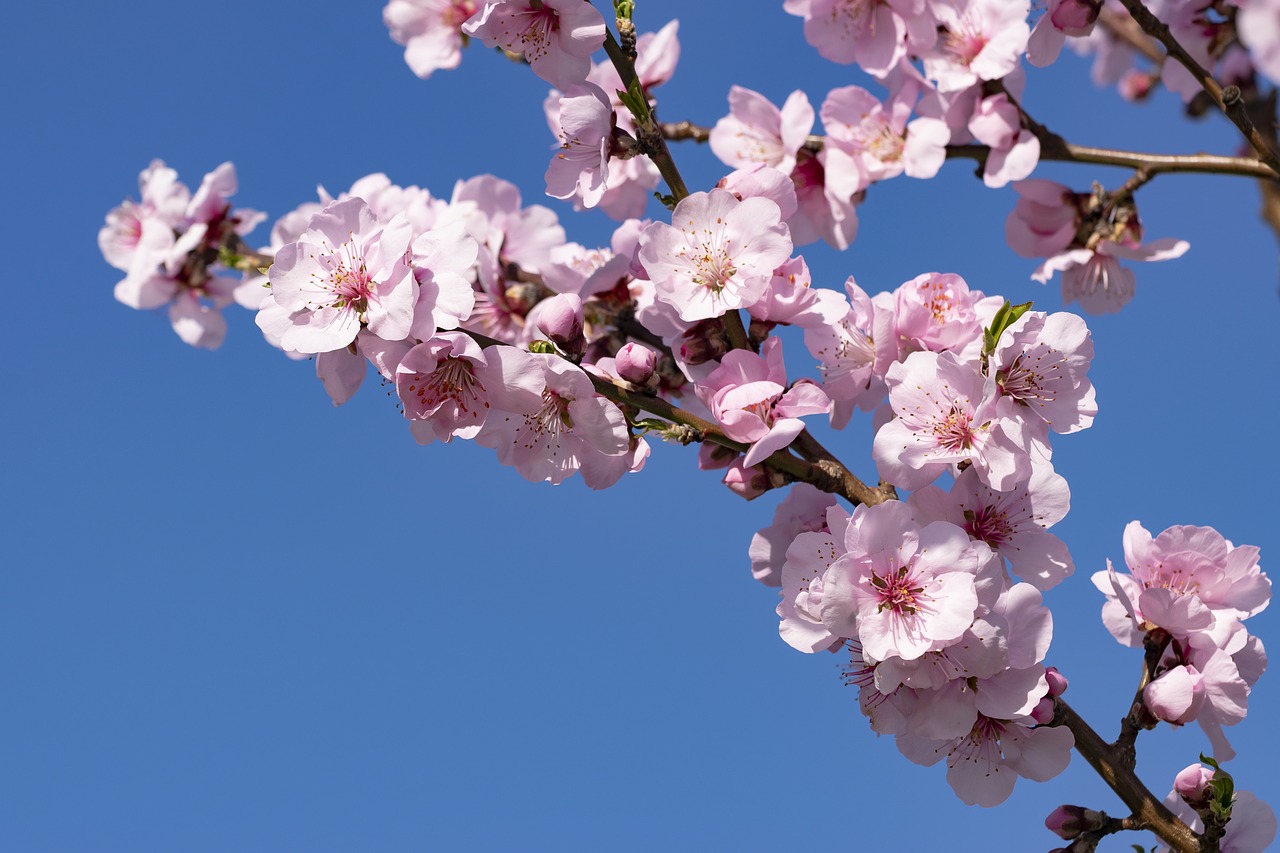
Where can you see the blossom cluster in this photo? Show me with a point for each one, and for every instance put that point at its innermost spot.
(1188, 590)
(492, 326)
(169, 244)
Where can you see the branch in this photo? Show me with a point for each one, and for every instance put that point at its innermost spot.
(1054, 148)
(833, 478)
(1228, 99)
(1147, 808)
(1124, 28)
(648, 132)
(1139, 717)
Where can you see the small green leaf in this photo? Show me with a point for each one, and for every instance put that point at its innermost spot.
(668, 201)
(624, 9)
(1004, 318)
(542, 347)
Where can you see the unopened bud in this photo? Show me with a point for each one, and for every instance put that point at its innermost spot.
(1042, 713)
(1192, 784)
(635, 363)
(1076, 17)
(1136, 85)
(560, 319)
(1069, 821)
(752, 482)
(1057, 681)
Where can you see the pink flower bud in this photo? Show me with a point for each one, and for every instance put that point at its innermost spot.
(560, 319)
(1065, 821)
(1057, 681)
(749, 483)
(1042, 713)
(635, 363)
(1192, 784)
(1136, 85)
(1076, 17)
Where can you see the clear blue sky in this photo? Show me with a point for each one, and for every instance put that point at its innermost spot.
(233, 617)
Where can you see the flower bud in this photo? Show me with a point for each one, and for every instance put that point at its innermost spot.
(1136, 85)
(560, 319)
(1075, 17)
(752, 482)
(635, 363)
(1192, 784)
(1069, 821)
(1057, 681)
(1065, 821)
(1042, 713)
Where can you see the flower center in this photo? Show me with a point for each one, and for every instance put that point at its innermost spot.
(988, 524)
(897, 591)
(954, 432)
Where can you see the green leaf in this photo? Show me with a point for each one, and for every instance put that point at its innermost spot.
(1004, 318)
(542, 347)
(624, 9)
(635, 100)
(668, 201)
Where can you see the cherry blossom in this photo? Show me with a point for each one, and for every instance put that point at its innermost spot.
(718, 254)
(346, 270)
(556, 37)
(430, 30)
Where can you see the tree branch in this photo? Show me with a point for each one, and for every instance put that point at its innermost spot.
(648, 132)
(1054, 148)
(1147, 808)
(1228, 99)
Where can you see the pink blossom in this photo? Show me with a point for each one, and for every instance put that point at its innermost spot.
(1251, 829)
(346, 270)
(582, 121)
(1040, 364)
(1012, 522)
(1183, 581)
(1258, 26)
(755, 131)
(718, 255)
(444, 260)
(792, 300)
(935, 312)
(808, 557)
(873, 33)
(1061, 19)
(946, 414)
(983, 766)
(556, 37)
(430, 30)
(1015, 151)
(443, 386)
(846, 352)
(978, 40)
(748, 395)
(804, 509)
(1045, 219)
(868, 141)
(564, 429)
(902, 590)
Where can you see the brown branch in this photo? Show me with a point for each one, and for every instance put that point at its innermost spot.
(1054, 148)
(1124, 28)
(648, 131)
(1139, 717)
(1228, 99)
(1147, 808)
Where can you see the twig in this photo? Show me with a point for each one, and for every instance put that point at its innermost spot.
(1147, 808)
(1056, 149)
(1229, 99)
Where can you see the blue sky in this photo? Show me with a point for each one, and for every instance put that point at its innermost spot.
(235, 617)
